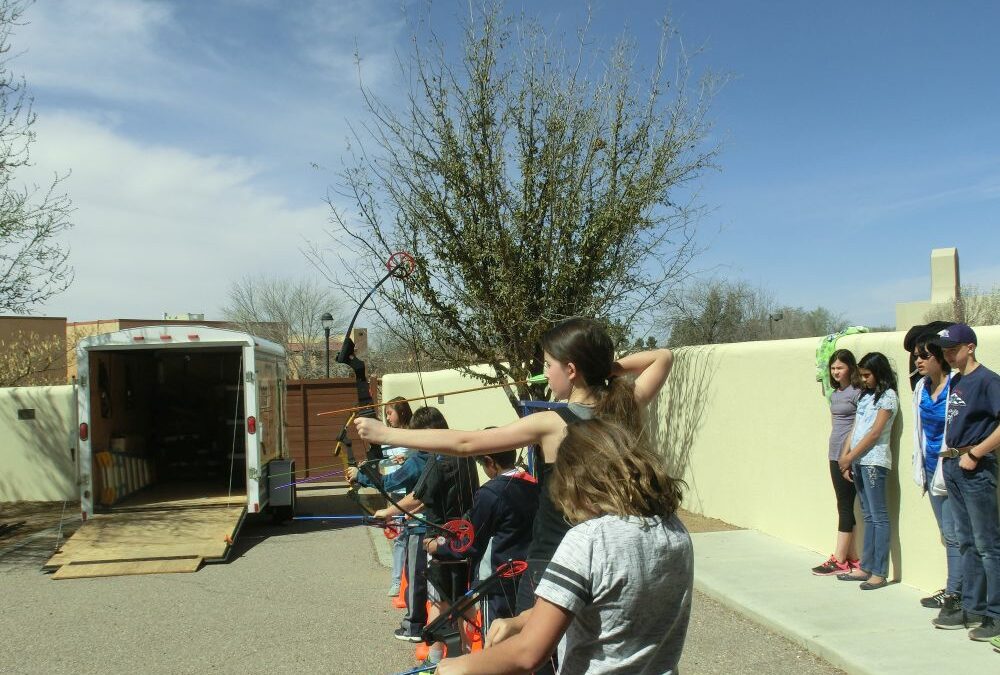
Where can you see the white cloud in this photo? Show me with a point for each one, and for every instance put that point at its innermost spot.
(329, 36)
(163, 229)
(102, 48)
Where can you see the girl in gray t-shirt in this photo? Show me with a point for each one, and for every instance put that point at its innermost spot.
(846, 383)
(616, 596)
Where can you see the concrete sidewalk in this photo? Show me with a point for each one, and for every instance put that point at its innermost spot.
(881, 631)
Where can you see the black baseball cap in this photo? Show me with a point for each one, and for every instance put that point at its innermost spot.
(954, 335)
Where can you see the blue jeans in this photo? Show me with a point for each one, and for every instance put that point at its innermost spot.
(942, 507)
(398, 558)
(870, 481)
(973, 496)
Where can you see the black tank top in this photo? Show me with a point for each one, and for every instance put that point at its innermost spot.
(550, 527)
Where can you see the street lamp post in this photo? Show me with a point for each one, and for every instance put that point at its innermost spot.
(327, 321)
(771, 319)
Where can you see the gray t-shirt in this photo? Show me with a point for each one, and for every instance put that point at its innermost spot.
(628, 583)
(843, 405)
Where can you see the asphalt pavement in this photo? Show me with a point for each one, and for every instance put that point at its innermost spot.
(297, 598)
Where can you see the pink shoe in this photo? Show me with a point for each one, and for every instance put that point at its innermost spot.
(831, 567)
(855, 564)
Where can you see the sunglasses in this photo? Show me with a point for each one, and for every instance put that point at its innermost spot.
(923, 356)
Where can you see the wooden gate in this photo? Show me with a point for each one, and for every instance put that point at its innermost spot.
(311, 438)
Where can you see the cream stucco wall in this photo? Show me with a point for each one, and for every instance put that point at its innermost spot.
(747, 427)
(474, 410)
(38, 455)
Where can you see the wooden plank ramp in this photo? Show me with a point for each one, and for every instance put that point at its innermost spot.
(152, 539)
(114, 568)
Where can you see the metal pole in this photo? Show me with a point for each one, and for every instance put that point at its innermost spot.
(326, 330)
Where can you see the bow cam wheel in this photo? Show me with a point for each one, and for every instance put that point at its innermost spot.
(401, 264)
(461, 537)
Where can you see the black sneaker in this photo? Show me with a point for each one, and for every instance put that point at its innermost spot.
(404, 635)
(935, 601)
(953, 617)
(988, 629)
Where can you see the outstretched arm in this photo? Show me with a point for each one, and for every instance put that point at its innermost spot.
(529, 430)
(650, 369)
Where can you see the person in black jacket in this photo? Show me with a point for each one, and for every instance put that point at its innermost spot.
(502, 517)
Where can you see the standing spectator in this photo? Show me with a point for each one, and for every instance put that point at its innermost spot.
(970, 474)
(867, 460)
(846, 383)
(930, 399)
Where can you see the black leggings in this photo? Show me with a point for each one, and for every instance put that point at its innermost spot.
(846, 492)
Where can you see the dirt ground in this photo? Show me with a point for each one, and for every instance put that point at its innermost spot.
(695, 523)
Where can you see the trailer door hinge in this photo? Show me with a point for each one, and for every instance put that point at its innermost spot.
(254, 473)
(250, 377)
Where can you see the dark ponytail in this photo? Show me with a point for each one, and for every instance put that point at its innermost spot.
(585, 343)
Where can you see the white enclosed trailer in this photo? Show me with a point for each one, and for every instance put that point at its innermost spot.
(181, 434)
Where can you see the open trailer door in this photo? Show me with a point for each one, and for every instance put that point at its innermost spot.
(152, 537)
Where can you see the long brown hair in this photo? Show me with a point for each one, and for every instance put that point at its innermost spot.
(403, 410)
(585, 343)
(604, 469)
(845, 356)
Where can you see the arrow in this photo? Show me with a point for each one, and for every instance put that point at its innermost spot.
(534, 379)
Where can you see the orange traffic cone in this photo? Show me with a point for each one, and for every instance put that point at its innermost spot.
(399, 602)
(422, 650)
(474, 636)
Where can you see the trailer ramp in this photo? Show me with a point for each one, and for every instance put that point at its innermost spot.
(152, 535)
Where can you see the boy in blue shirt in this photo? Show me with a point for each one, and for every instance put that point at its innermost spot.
(969, 465)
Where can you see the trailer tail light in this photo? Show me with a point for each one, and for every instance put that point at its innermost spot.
(193, 336)
(251, 425)
(166, 338)
(138, 338)
(84, 431)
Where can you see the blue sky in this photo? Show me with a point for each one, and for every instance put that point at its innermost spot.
(203, 136)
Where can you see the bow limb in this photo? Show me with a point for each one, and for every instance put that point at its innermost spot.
(445, 627)
(399, 265)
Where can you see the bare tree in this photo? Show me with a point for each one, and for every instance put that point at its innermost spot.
(34, 264)
(288, 312)
(531, 181)
(974, 305)
(717, 311)
(720, 311)
(29, 359)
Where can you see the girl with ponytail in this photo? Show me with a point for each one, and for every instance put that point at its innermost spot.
(582, 371)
